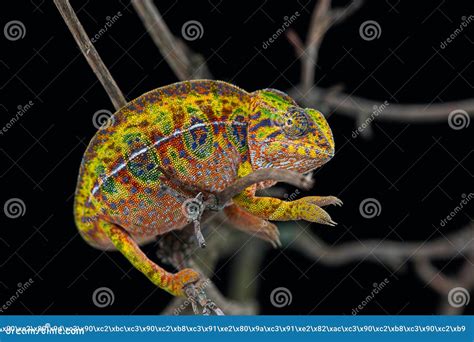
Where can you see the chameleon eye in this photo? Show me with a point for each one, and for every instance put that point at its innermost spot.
(296, 123)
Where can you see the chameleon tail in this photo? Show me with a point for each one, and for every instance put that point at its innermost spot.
(172, 283)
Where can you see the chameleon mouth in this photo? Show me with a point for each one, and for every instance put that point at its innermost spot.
(313, 164)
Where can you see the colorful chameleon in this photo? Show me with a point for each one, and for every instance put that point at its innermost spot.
(205, 134)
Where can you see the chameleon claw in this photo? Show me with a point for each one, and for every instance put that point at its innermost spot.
(276, 243)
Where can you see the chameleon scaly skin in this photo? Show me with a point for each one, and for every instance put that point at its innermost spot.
(204, 134)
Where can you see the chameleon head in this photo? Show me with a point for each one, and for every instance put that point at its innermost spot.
(284, 135)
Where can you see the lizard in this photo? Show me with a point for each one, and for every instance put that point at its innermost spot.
(205, 134)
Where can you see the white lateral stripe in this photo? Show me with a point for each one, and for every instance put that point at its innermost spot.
(159, 141)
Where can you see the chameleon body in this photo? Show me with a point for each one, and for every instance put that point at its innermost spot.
(204, 134)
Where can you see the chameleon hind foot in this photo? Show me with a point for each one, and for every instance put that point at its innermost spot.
(253, 225)
(182, 280)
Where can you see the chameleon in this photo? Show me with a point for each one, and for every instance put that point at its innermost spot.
(205, 134)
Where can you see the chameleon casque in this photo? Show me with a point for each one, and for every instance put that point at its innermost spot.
(206, 134)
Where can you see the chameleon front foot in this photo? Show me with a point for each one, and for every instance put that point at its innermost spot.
(308, 209)
(315, 213)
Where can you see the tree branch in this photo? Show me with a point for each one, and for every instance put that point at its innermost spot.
(354, 106)
(388, 251)
(444, 284)
(322, 19)
(163, 38)
(90, 53)
(245, 278)
(318, 26)
(181, 306)
(185, 63)
(432, 276)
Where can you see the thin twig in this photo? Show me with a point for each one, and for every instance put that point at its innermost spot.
(388, 251)
(318, 26)
(353, 106)
(185, 63)
(90, 53)
(341, 14)
(296, 42)
(307, 94)
(463, 279)
(433, 277)
(163, 38)
(322, 19)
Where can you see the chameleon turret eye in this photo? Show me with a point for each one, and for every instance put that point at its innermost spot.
(295, 123)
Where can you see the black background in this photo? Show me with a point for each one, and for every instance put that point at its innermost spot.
(418, 178)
